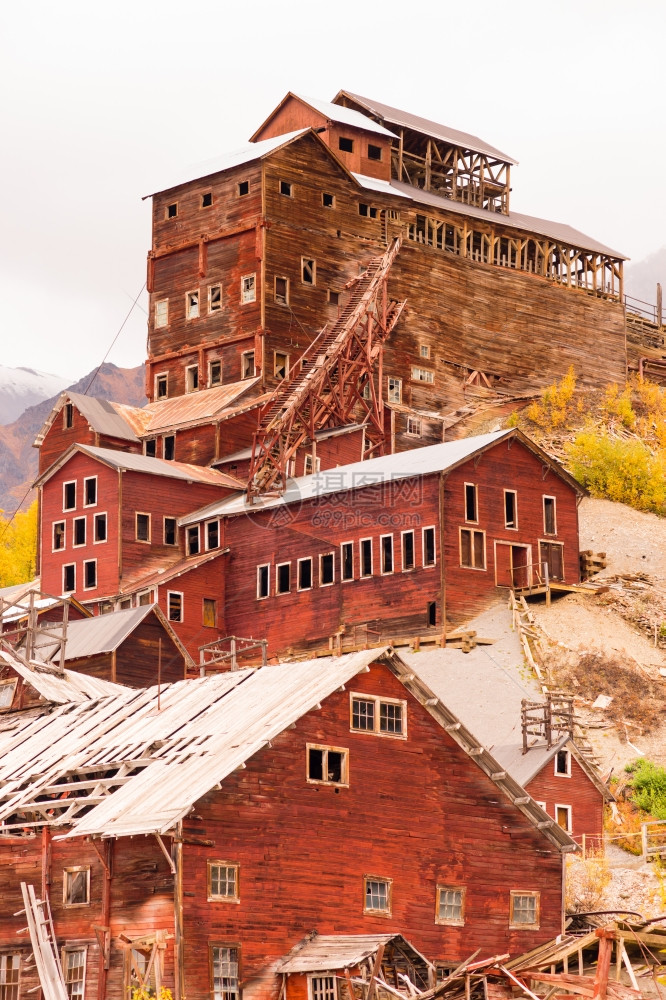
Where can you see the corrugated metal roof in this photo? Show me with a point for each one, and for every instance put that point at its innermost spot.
(102, 416)
(345, 116)
(328, 952)
(195, 407)
(376, 184)
(92, 636)
(449, 135)
(61, 688)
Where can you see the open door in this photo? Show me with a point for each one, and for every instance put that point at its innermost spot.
(513, 565)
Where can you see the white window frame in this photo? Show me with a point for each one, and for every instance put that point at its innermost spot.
(74, 870)
(191, 528)
(190, 378)
(428, 565)
(7, 966)
(161, 314)
(181, 595)
(70, 482)
(362, 575)
(282, 593)
(66, 566)
(260, 596)
(140, 603)
(387, 911)
(475, 488)
(403, 568)
(325, 748)
(212, 520)
(214, 361)
(89, 479)
(514, 526)
(414, 427)
(86, 586)
(158, 377)
(192, 304)
(298, 574)
(383, 571)
(393, 389)
(379, 700)
(569, 811)
(216, 897)
(214, 307)
(75, 521)
(318, 988)
(450, 921)
(346, 579)
(422, 375)
(424, 351)
(74, 950)
(64, 536)
(322, 556)
(562, 774)
(248, 288)
(96, 518)
(142, 541)
(165, 518)
(549, 534)
(523, 926)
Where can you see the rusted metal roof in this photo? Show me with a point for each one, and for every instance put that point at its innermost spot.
(195, 407)
(436, 131)
(329, 952)
(102, 416)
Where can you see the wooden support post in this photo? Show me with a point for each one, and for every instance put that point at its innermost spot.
(659, 313)
(606, 937)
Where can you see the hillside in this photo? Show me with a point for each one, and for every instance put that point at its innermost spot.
(24, 387)
(18, 459)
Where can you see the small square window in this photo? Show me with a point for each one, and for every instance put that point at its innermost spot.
(374, 152)
(243, 188)
(223, 881)
(161, 313)
(214, 298)
(76, 886)
(174, 606)
(209, 612)
(169, 447)
(90, 574)
(207, 199)
(58, 535)
(79, 531)
(161, 385)
(281, 293)
(263, 581)
(327, 765)
(394, 390)
(414, 427)
(191, 378)
(170, 531)
(69, 578)
(142, 527)
(333, 297)
(308, 271)
(283, 578)
(192, 305)
(305, 574)
(248, 289)
(69, 496)
(214, 373)
(377, 895)
(326, 569)
(193, 540)
(328, 200)
(286, 188)
(524, 910)
(172, 210)
(247, 364)
(90, 491)
(280, 364)
(450, 906)
(345, 145)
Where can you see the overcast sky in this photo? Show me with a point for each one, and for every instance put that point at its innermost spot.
(102, 101)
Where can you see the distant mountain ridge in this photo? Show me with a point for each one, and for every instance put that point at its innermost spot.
(640, 279)
(18, 459)
(24, 387)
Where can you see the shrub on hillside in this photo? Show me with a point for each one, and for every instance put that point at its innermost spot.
(649, 787)
(18, 547)
(622, 470)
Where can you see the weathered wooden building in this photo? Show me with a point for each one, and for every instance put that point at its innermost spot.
(190, 836)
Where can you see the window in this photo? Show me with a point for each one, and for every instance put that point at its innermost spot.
(243, 188)
(510, 509)
(74, 969)
(424, 351)
(281, 290)
(563, 763)
(169, 447)
(310, 466)
(90, 491)
(369, 211)
(328, 200)
(247, 364)
(207, 199)
(345, 145)
(322, 988)
(408, 560)
(191, 378)
(248, 288)
(79, 531)
(422, 375)
(374, 152)
(68, 578)
(326, 569)
(283, 578)
(99, 528)
(366, 557)
(225, 973)
(150, 447)
(192, 305)
(214, 373)
(223, 881)
(347, 560)
(161, 386)
(286, 188)
(280, 364)
(209, 615)
(263, 581)
(471, 503)
(90, 574)
(172, 210)
(450, 906)
(214, 298)
(524, 910)
(327, 765)
(308, 271)
(68, 496)
(67, 416)
(414, 427)
(386, 542)
(431, 614)
(144, 598)
(161, 313)
(193, 540)
(563, 817)
(305, 574)
(429, 547)
(174, 606)
(212, 534)
(472, 549)
(10, 966)
(333, 297)
(76, 886)
(549, 519)
(170, 531)
(58, 535)
(142, 527)
(394, 390)
(377, 895)
(378, 715)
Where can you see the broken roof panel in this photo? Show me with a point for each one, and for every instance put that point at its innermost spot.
(60, 687)
(329, 952)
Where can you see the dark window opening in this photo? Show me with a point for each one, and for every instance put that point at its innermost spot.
(327, 200)
(80, 531)
(281, 291)
(170, 530)
(286, 188)
(367, 210)
(316, 765)
(347, 568)
(304, 574)
(161, 386)
(192, 378)
(327, 570)
(263, 577)
(431, 613)
(333, 297)
(366, 557)
(169, 448)
(69, 578)
(150, 447)
(59, 535)
(346, 145)
(90, 491)
(562, 762)
(214, 298)
(143, 527)
(326, 765)
(408, 550)
(174, 606)
(215, 373)
(428, 546)
(307, 271)
(193, 540)
(247, 364)
(387, 553)
(68, 417)
(374, 152)
(70, 496)
(172, 210)
(90, 574)
(207, 199)
(243, 188)
(283, 578)
(212, 534)
(549, 515)
(510, 509)
(471, 512)
(100, 527)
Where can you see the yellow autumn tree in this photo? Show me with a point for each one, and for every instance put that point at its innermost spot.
(18, 546)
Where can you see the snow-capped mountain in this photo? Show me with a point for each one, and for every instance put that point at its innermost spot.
(24, 387)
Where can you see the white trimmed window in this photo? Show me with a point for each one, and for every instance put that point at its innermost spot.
(347, 561)
(90, 574)
(472, 549)
(192, 305)
(223, 881)
(524, 910)
(322, 988)
(377, 895)
(212, 534)
(283, 578)
(308, 271)
(90, 491)
(450, 905)
(10, 967)
(161, 385)
(76, 886)
(248, 288)
(549, 516)
(394, 394)
(510, 509)
(366, 557)
(408, 552)
(327, 765)
(59, 536)
(305, 574)
(191, 378)
(175, 606)
(68, 578)
(193, 540)
(74, 969)
(429, 554)
(386, 547)
(471, 503)
(372, 714)
(161, 313)
(414, 427)
(79, 525)
(142, 527)
(563, 763)
(422, 375)
(225, 971)
(263, 581)
(214, 298)
(326, 569)
(99, 528)
(69, 496)
(563, 817)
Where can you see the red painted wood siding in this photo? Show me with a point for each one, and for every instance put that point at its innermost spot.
(207, 581)
(577, 791)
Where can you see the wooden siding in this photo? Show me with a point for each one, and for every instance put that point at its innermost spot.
(59, 438)
(577, 791)
(207, 581)
(135, 661)
(436, 820)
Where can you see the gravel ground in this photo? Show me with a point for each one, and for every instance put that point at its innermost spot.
(634, 541)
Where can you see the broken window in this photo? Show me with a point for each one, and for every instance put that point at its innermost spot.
(374, 152)
(310, 465)
(281, 293)
(76, 886)
(207, 199)
(68, 578)
(58, 535)
(214, 298)
(192, 305)
(169, 447)
(549, 519)
(305, 574)
(248, 288)
(286, 189)
(322, 988)
(408, 559)
(209, 618)
(431, 613)
(347, 560)
(10, 966)
(150, 447)
(144, 598)
(67, 416)
(170, 531)
(193, 540)
(280, 364)
(212, 534)
(563, 763)
(428, 546)
(263, 581)
(69, 496)
(326, 569)
(394, 390)
(247, 364)
(472, 549)
(424, 351)
(387, 553)
(377, 895)
(283, 578)
(378, 715)
(450, 906)
(161, 385)
(161, 313)
(308, 271)
(90, 574)
(563, 817)
(471, 504)
(369, 211)
(328, 200)
(422, 375)
(172, 210)
(243, 188)
(366, 557)
(223, 881)
(191, 378)
(90, 491)
(214, 373)
(327, 764)
(414, 427)
(174, 606)
(345, 145)
(100, 527)
(225, 972)
(142, 533)
(79, 531)
(524, 909)
(510, 509)
(74, 969)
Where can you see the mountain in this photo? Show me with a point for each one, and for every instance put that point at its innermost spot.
(640, 279)
(24, 387)
(18, 459)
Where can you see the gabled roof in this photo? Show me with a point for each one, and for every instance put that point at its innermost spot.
(330, 952)
(387, 468)
(334, 113)
(128, 462)
(44, 602)
(436, 131)
(102, 416)
(195, 407)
